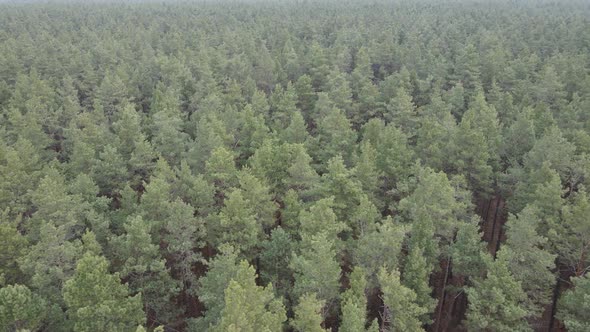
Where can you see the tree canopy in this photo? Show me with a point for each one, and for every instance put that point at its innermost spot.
(294, 166)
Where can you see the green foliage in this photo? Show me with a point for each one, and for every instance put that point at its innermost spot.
(497, 301)
(308, 314)
(97, 301)
(401, 311)
(146, 270)
(320, 218)
(571, 234)
(416, 276)
(401, 111)
(469, 251)
(222, 269)
(380, 247)
(394, 157)
(316, 268)
(20, 309)
(185, 235)
(274, 260)
(13, 247)
(573, 305)
(51, 261)
(335, 137)
(237, 224)
(313, 139)
(354, 303)
(249, 307)
(528, 260)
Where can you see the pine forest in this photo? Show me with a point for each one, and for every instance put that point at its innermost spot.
(294, 166)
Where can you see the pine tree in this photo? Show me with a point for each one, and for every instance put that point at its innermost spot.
(193, 189)
(528, 260)
(380, 247)
(14, 245)
(368, 104)
(456, 98)
(274, 260)
(364, 217)
(435, 135)
(338, 182)
(20, 171)
(249, 307)
(365, 171)
(51, 261)
(401, 112)
(211, 134)
(184, 236)
(552, 147)
(320, 218)
(112, 93)
(467, 69)
(258, 194)
(221, 169)
(168, 139)
(301, 175)
(573, 307)
(316, 268)
(110, 170)
(393, 153)
(354, 303)
(251, 133)
(283, 104)
(290, 61)
(97, 301)
(400, 312)
(146, 270)
(21, 309)
(572, 241)
(484, 118)
(309, 315)
(237, 224)
(469, 158)
(496, 302)
(435, 200)
(211, 287)
(416, 276)
(306, 96)
(318, 65)
(469, 250)
(519, 137)
(296, 132)
(335, 137)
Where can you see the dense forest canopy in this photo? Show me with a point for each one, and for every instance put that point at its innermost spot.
(295, 166)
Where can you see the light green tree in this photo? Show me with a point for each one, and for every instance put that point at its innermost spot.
(380, 247)
(97, 301)
(146, 270)
(401, 311)
(237, 224)
(248, 307)
(14, 245)
(528, 260)
(316, 268)
(573, 308)
(222, 268)
(274, 260)
(354, 303)
(496, 301)
(309, 315)
(468, 250)
(21, 309)
(416, 276)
